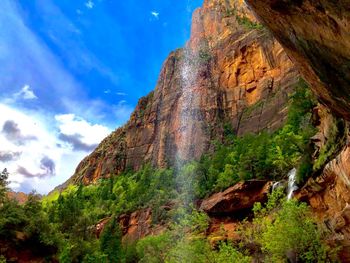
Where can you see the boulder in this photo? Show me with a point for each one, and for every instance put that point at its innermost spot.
(237, 199)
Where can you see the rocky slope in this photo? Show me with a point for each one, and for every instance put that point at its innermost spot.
(232, 72)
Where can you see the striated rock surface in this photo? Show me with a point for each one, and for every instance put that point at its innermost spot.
(134, 226)
(315, 34)
(237, 199)
(329, 196)
(229, 72)
(329, 193)
(138, 225)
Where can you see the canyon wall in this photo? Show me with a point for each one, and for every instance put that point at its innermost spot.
(239, 74)
(316, 36)
(231, 73)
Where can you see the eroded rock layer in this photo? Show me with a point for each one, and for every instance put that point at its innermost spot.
(316, 35)
(230, 72)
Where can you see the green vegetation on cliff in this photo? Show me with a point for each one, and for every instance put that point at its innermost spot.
(64, 224)
(281, 231)
(260, 156)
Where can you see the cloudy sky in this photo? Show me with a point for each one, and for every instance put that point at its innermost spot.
(71, 72)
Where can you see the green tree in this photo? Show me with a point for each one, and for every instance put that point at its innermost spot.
(286, 230)
(227, 253)
(154, 249)
(294, 235)
(110, 241)
(3, 185)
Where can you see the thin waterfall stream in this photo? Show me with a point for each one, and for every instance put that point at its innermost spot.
(292, 186)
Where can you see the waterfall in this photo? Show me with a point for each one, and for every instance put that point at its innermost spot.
(292, 186)
(187, 103)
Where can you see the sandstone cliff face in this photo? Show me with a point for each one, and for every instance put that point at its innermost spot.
(329, 196)
(315, 33)
(227, 73)
(329, 193)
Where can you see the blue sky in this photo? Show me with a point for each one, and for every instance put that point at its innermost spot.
(71, 72)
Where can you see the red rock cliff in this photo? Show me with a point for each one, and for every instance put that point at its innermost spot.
(316, 35)
(227, 73)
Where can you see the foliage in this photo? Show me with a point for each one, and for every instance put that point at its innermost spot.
(3, 185)
(30, 223)
(246, 22)
(63, 223)
(227, 253)
(110, 241)
(186, 242)
(293, 231)
(286, 230)
(204, 56)
(152, 249)
(262, 156)
(243, 20)
(76, 210)
(332, 144)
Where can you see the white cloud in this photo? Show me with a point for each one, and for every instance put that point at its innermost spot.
(90, 134)
(26, 93)
(90, 4)
(121, 94)
(46, 161)
(155, 14)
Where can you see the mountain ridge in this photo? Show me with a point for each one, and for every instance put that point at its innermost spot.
(240, 76)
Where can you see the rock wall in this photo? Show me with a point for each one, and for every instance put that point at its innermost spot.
(229, 72)
(329, 196)
(328, 193)
(315, 34)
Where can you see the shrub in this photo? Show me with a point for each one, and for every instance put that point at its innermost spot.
(110, 241)
(287, 230)
(294, 235)
(153, 249)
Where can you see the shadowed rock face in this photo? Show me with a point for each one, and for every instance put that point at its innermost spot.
(329, 196)
(315, 34)
(237, 199)
(227, 73)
